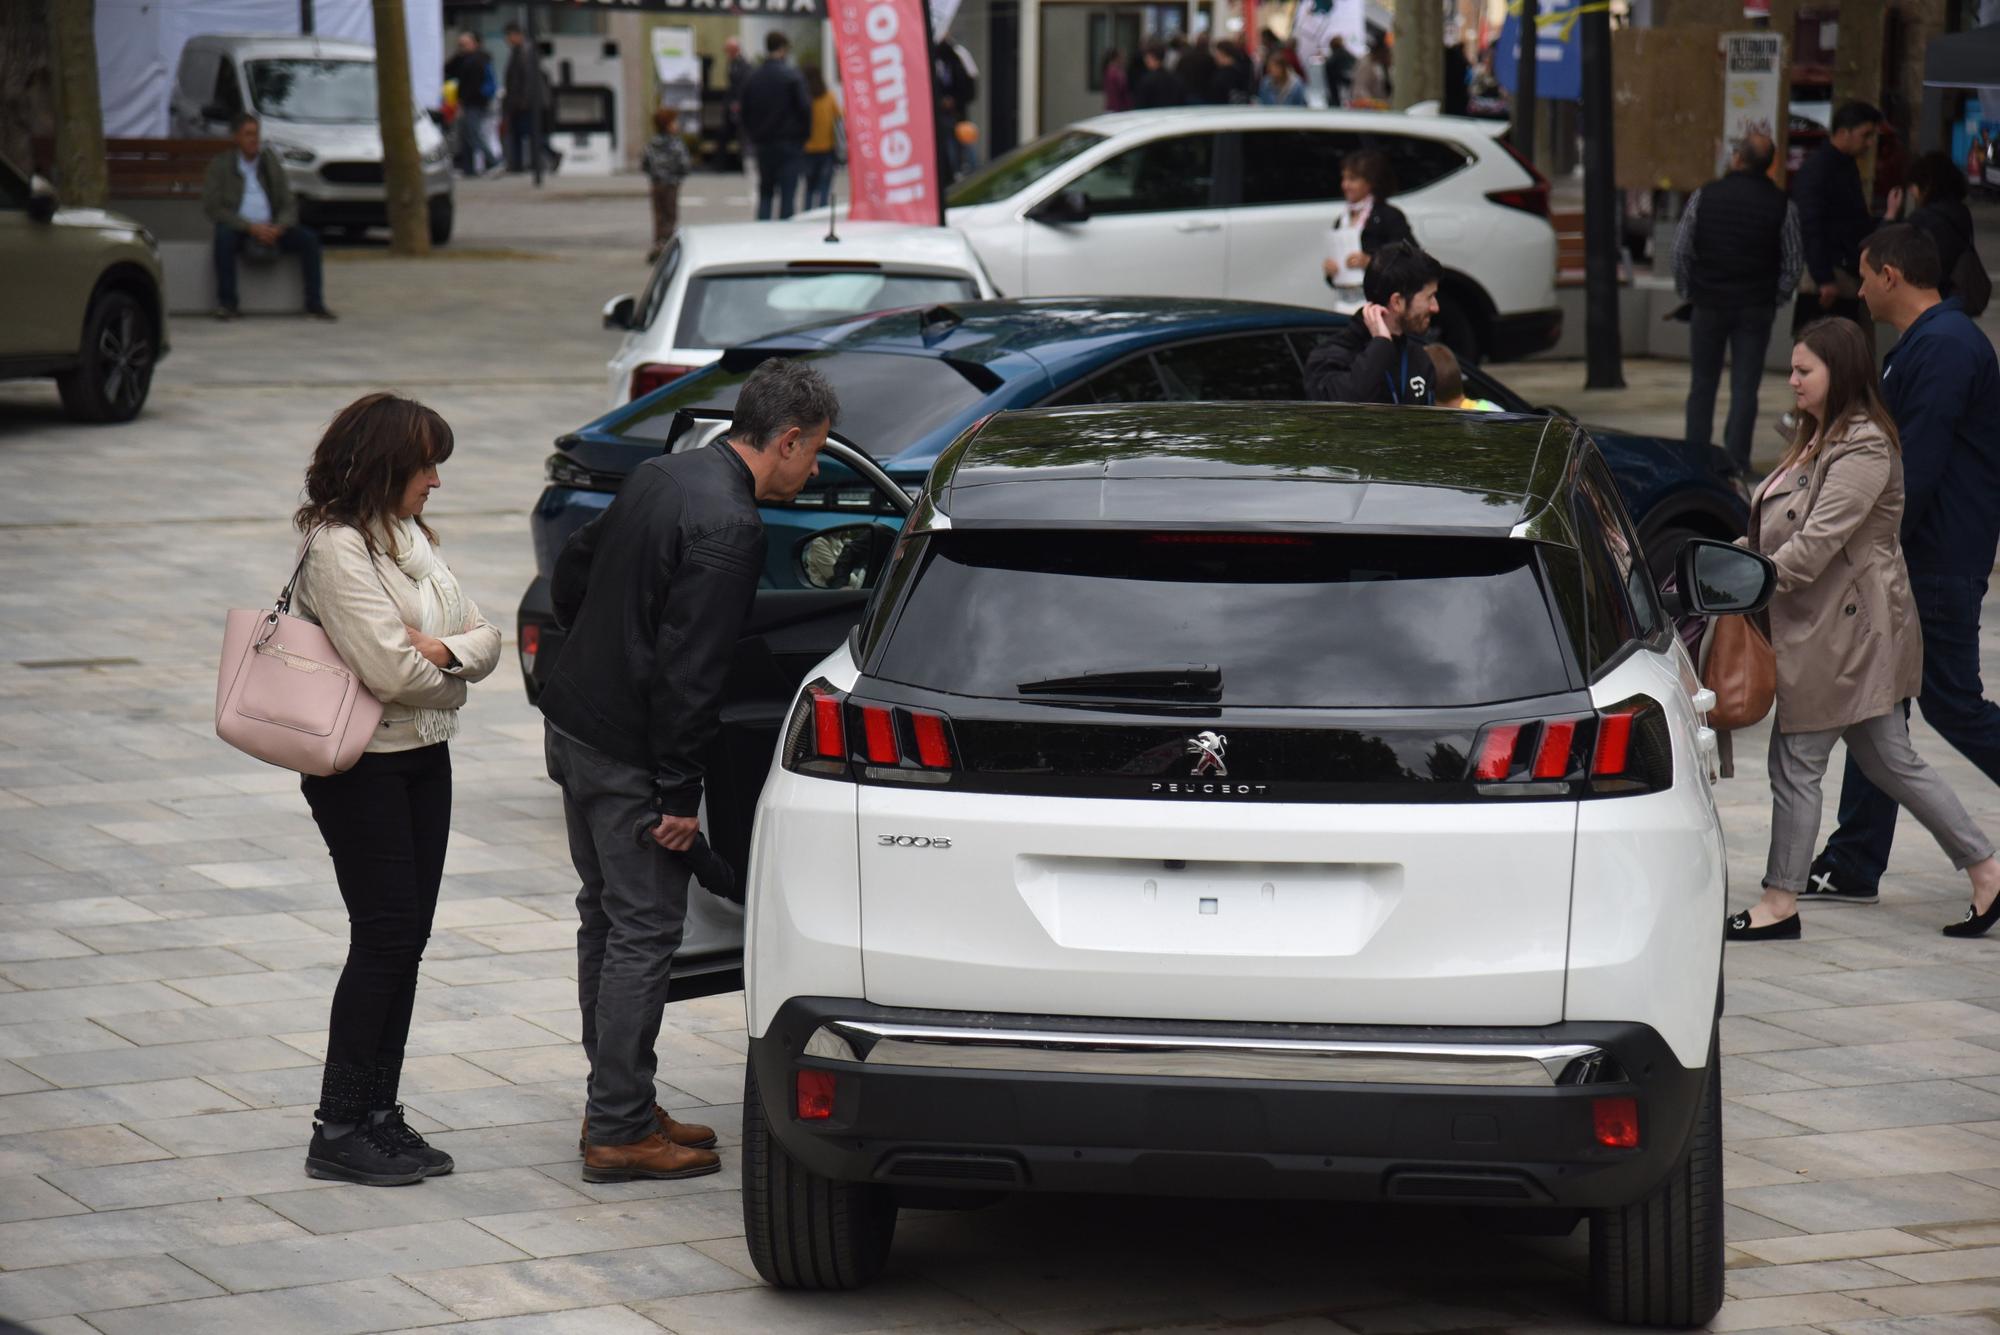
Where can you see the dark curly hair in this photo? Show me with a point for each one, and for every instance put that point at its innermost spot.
(367, 457)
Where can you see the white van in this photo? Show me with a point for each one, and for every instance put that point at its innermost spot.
(316, 100)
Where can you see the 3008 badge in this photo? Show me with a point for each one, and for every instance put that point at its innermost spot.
(910, 841)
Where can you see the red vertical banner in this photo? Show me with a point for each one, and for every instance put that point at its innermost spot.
(885, 74)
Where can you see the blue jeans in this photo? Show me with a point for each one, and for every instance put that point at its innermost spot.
(777, 179)
(819, 179)
(1954, 702)
(473, 154)
(299, 241)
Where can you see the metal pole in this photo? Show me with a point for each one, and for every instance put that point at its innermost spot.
(531, 47)
(305, 18)
(1527, 80)
(1600, 208)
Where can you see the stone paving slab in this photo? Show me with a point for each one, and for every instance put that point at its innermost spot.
(170, 931)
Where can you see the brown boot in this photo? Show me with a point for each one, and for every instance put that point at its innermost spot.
(692, 1135)
(655, 1156)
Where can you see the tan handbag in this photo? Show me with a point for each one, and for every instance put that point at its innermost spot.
(1738, 665)
(283, 693)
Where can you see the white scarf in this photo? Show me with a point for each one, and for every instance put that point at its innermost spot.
(443, 610)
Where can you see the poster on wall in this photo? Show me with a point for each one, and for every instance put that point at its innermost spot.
(885, 72)
(1975, 142)
(1752, 65)
(678, 68)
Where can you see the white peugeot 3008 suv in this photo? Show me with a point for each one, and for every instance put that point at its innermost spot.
(1251, 800)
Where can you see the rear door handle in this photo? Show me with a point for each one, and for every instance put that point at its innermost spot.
(1198, 225)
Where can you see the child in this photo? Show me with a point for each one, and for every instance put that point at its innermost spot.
(1448, 390)
(666, 164)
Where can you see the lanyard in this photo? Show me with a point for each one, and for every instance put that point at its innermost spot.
(1395, 388)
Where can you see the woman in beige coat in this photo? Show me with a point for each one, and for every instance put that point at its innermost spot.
(1844, 630)
(396, 613)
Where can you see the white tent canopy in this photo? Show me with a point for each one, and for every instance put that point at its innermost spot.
(139, 47)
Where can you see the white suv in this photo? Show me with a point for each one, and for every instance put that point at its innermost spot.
(1251, 800)
(1237, 201)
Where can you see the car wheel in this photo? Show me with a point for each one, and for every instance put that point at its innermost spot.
(441, 220)
(115, 374)
(1659, 1262)
(1663, 551)
(806, 1231)
(1457, 331)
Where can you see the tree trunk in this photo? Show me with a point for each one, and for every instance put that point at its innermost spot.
(79, 160)
(1857, 67)
(25, 95)
(402, 171)
(1419, 67)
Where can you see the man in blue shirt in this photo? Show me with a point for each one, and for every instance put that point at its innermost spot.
(246, 196)
(1942, 385)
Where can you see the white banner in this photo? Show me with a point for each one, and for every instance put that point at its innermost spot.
(1752, 64)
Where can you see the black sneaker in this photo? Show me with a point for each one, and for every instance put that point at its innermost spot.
(405, 1138)
(228, 313)
(366, 1155)
(321, 313)
(1827, 884)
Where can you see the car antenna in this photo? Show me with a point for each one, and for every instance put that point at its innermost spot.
(832, 203)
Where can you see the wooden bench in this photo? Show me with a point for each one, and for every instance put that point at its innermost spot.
(1569, 248)
(170, 169)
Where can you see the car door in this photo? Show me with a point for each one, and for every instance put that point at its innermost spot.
(1153, 226)
(836, 537)
(1284, 188)
(51, 269)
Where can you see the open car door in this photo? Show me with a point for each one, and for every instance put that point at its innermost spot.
(826, 549)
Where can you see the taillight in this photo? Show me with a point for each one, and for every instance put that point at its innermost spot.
(815, 1095)
(1529, 199)
(531, 644)
(1614, 1120)
(649, 376)
(834, 736)
(1624, 749)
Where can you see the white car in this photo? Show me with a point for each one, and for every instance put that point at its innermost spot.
(1237, 201)
(720, 285)
(315, 100)
(1251, 800)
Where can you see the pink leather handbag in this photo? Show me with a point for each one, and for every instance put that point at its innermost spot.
(284, 695)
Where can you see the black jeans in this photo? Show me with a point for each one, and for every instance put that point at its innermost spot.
(386, 822)
(1954, 702)
(300, 241)
(778, 167)
(1745, 334)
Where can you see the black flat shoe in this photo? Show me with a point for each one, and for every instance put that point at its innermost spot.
(1736, 927)
(1975, 923)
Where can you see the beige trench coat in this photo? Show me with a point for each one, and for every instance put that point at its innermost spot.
(1843, 624)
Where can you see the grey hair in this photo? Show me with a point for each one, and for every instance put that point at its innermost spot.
(1756, 152)
(779, 395)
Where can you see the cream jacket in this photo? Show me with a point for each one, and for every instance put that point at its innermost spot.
(365, 605)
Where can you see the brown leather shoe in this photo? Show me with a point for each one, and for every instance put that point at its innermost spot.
(655, 1156)
(692, 1135)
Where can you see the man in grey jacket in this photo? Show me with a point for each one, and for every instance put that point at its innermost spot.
(248, 199)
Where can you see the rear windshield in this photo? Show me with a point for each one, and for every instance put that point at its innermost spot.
(1333, 621)
(888, 402)
(722, 310)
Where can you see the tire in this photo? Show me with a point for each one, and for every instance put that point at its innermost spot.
(806, 1231)
(1659, 1262)
(1663, 551)
(115, 374)
(1456, 328)
(441, 215)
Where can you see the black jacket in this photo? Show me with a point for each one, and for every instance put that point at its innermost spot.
(470, 68)
(1949, 223)
(1386, 225)
(1739, 243)
(1833, 215)
(515, 91)
(1157, 88)
(776, 110)
(1353, 366)
(654, 593)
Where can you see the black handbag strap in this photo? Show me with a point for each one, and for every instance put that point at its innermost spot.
(284, 603)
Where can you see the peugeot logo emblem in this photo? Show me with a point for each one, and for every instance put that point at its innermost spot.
(1207, 748)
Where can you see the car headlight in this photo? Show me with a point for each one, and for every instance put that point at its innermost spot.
(292, 153)
(149, 241)
(436, 155)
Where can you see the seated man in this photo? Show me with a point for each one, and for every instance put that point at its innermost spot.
(248, 199)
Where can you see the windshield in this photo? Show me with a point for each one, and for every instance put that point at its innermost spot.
(1252, 619)
(888, 402)
(1008, 176)
(325, 92)
(722, 310)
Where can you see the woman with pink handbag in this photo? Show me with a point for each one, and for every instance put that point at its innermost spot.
(373, 581)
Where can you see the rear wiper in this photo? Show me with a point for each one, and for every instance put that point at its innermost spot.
(1203, 679)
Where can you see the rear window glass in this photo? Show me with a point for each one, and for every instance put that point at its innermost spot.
(722, 310)
(1339, 620)
(887, 402)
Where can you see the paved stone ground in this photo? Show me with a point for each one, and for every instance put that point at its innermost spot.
(170, 932)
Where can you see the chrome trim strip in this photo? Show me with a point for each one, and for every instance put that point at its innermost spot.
(876, 1043)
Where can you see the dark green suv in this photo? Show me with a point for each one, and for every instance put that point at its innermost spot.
(84, 300)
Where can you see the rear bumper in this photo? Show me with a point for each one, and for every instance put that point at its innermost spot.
(1443, 1116)
(535, 623)
(1512, 337)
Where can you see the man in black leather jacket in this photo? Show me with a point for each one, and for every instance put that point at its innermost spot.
(654, 594)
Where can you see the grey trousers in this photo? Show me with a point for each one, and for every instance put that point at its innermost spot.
(1881, 746)
(631, 908)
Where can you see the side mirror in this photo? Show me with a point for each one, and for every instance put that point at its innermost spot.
(843, 558)
(42, 201)
(618, 312)
(1718, 579)
(1065, 206)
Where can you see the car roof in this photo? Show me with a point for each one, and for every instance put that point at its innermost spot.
(779, 244)
(1460, 129)
(284, 44)
(1255, 466)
